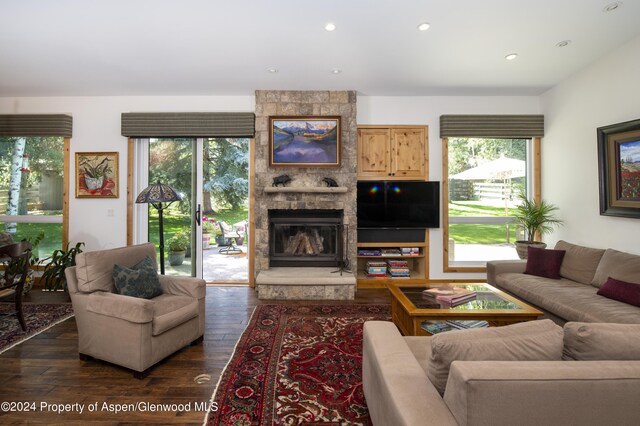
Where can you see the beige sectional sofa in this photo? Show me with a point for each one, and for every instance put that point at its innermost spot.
(399, 374)
(573, 297)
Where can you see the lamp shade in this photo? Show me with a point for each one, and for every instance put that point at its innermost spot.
(158, 193)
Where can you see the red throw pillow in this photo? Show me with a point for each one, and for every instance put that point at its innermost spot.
(544, 263)
(621, 291)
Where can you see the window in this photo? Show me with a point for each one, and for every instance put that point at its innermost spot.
(484, 178)
(32, 196)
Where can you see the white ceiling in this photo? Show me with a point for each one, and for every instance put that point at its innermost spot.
(212, 47)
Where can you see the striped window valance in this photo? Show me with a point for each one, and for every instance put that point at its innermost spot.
(188, 124)
(492, 126)
(36, 125)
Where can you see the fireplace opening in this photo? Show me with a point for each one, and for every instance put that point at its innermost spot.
(305, 237)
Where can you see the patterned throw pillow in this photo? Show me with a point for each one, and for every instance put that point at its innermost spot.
(140, 281)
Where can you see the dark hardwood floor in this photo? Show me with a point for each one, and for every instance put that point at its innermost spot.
(46, 370)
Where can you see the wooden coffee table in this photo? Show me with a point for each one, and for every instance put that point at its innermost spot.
(409, 308)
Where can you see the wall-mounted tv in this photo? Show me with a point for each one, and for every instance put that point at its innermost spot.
(398, 204)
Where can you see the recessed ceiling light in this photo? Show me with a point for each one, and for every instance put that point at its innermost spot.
(563, 43)
(272, 70)
(612, 6)
(330, 26)
(511, 56)
(424, 26)
(336, 71)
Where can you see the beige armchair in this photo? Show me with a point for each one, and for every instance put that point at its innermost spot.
(132, 332)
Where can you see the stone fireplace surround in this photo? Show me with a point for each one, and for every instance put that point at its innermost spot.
(306, 191)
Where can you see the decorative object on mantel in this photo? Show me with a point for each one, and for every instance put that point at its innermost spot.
(296, 141)
(331, 183)
(536, 218)
(310, 367)
(305, 189)
(619, 169)
(281, 180)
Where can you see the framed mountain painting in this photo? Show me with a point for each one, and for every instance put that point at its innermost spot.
(304, 141)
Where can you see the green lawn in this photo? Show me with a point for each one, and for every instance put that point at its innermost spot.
(476, 233)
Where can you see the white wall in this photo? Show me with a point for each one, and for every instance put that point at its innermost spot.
(96, 127)
(426, 110)
(606, 92)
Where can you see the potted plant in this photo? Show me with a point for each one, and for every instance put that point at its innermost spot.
(208, 227)
(178, 245)
(536, 219)
(53, 275)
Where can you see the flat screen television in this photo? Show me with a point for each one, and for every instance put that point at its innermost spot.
(398, 204)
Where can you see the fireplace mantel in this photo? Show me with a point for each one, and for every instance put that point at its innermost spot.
(305, 189)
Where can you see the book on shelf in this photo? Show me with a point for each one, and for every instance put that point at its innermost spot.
(410, 251)
(376, 264)
(369, 252)
(391, 252)
(398, 263)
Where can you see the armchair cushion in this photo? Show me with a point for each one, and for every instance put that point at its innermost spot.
(130, 309)
(183, 286)
(139, 281)
(170, 311)
(94, 269)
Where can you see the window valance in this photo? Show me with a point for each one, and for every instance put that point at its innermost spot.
(188, 124)
(36, 125)
(492, 126)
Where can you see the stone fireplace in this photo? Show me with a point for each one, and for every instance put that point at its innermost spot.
(304, 194)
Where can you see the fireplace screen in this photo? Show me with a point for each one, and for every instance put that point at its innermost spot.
(305, 237)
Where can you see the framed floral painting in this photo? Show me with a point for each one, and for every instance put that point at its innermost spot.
(96, 175)
(619, 167)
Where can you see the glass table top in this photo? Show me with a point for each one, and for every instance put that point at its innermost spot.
(485, 299)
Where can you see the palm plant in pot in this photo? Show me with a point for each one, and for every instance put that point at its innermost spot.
(536, 219)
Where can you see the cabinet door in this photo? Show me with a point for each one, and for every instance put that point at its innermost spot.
(408, 153)
(374, 153)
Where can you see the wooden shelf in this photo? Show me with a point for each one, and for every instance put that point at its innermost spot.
(310, 189)
(391, 257)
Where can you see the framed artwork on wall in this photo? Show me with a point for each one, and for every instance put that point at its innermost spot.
(619, 169)
(304, 141)
(96, 175)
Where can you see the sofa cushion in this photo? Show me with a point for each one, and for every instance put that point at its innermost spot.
(601, 341)
(621, 291)
(94, 268)
(139, 281)
(544, 263)
(528, 341)
(619, 265)
(579, 263)
(568, 299)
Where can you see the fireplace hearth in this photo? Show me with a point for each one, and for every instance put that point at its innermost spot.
(310, 237)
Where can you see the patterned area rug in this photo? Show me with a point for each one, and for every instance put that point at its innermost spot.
(38, 318)
(297, 364)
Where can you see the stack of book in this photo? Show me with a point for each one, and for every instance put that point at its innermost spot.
(450, 295)
(376, 269)
(369, 252)
(398, 268)
(410, 251)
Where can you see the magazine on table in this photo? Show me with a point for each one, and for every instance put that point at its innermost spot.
(450, 295)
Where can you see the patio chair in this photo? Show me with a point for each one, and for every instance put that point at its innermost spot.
(229, 235)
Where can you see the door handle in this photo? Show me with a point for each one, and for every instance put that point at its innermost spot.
(198, 215)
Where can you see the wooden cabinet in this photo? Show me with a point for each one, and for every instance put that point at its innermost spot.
(392, 152)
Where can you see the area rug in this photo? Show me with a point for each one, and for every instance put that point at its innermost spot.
(38, 318)
(297, 364)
